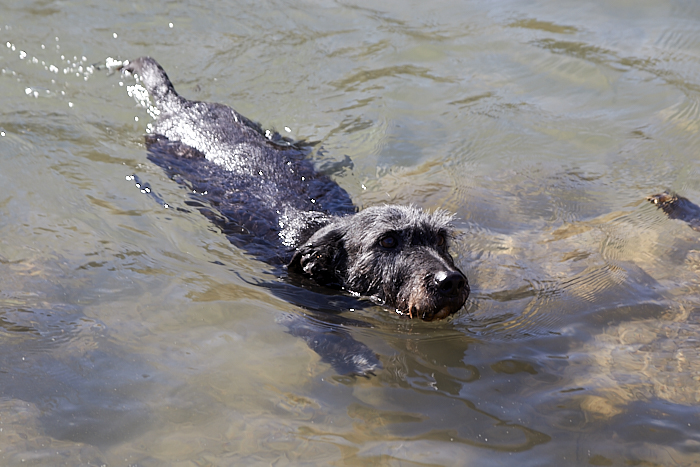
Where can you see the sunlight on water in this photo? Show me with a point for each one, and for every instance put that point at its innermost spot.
(134, 332)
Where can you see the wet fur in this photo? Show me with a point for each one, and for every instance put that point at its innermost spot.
(268, 198)
(347, 253)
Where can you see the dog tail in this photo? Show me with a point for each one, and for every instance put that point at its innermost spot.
(155, 80)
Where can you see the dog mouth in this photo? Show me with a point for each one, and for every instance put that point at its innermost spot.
(436, 297)
(429, 298)
(440, 314)
(427, 313)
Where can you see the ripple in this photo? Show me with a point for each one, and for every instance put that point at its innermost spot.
(684, 115)
(681, 38)
(589, 284)
(546, 26)
(37, 329)
(364, 77)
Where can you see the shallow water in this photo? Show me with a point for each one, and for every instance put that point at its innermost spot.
(136, 335)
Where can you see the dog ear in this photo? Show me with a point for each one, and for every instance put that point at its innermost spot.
(321, 257)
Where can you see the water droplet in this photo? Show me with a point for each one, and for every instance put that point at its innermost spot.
(170, 25)
(114, 34)
(70, 104)
(22, 54)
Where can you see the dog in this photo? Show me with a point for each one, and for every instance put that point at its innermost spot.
(268, 198)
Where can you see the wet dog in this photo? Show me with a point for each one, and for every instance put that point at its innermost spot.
(268, 198)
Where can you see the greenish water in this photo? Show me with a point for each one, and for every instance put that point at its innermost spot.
(134, 335)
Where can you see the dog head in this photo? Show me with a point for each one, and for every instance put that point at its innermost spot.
(395, 255)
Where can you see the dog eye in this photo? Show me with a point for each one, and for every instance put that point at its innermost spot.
(441, 240)
(388, 242)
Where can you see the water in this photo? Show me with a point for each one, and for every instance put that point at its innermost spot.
(135, 335)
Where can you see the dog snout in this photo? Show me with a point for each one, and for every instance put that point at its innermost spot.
(450, 284)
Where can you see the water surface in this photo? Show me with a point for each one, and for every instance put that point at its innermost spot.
(131, 334)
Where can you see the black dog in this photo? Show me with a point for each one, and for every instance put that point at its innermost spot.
(269, 199)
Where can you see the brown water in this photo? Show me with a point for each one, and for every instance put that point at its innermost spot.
(134, 335)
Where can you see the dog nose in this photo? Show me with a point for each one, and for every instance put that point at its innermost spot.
(450, 284)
